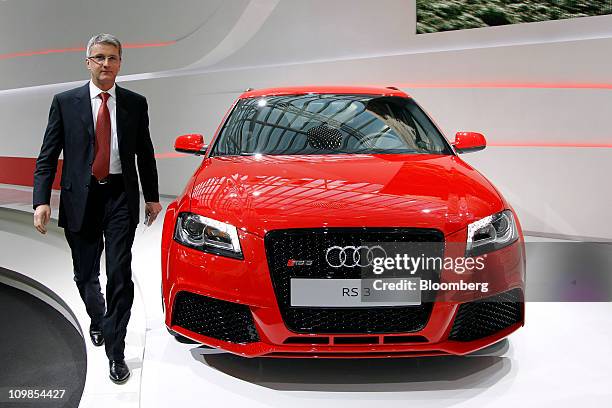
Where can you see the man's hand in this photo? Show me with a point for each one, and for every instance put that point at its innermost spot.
(151, 212)
(42, 214)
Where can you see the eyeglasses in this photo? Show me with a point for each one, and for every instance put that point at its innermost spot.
(100, 59)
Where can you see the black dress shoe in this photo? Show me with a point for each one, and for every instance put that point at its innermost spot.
(95, 334)
(119, 371)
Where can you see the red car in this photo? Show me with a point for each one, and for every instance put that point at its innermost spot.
(300, 233)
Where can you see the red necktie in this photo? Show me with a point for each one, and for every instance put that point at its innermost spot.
(103, 136)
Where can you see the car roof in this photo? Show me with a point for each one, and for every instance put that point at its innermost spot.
(300, 90)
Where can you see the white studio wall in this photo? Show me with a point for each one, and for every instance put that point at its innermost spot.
(537, 91)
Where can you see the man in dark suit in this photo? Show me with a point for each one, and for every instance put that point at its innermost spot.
(101, 128)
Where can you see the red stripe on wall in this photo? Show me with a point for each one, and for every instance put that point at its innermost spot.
(169, 155)
(20, 171)
(546, 144)
(78, 49)
(507, 85)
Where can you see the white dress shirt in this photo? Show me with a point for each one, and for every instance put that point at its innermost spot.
(96, 101)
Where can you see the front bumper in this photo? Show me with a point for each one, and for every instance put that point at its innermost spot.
(233, 306)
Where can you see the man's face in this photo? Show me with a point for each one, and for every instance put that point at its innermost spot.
(104, 64)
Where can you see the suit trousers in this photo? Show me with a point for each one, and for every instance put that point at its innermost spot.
(107, 224)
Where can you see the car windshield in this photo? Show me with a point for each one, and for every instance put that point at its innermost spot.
(329, 124)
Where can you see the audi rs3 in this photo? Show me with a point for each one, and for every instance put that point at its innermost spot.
(339, 222)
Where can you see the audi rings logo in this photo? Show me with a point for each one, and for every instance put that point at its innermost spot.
(351, 256)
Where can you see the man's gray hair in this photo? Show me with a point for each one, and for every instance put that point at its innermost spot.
(108, 39)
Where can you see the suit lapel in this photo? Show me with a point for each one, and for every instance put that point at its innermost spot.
(122, 114)
(83, 102)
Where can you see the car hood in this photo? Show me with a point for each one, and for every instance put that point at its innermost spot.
(262, 193)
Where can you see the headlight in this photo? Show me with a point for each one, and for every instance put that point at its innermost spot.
(491, 233)
(207, 235)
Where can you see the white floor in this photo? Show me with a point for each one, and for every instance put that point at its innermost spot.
(562, 356)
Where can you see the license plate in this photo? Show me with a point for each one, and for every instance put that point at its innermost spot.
(355, 292)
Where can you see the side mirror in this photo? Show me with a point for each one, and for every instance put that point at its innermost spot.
(192, 143)
(467, 142)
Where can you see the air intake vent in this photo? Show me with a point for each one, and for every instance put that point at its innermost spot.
(307, 340)
(214, 318)
(356, 340)
(404, 339)
(482, 318)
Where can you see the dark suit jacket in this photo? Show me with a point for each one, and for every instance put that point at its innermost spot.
(71, 129)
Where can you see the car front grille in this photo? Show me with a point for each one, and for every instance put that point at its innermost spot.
(312, 244)
(214, 318)
(482, 318)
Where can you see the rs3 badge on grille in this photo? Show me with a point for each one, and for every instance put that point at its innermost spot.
(299, 262)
